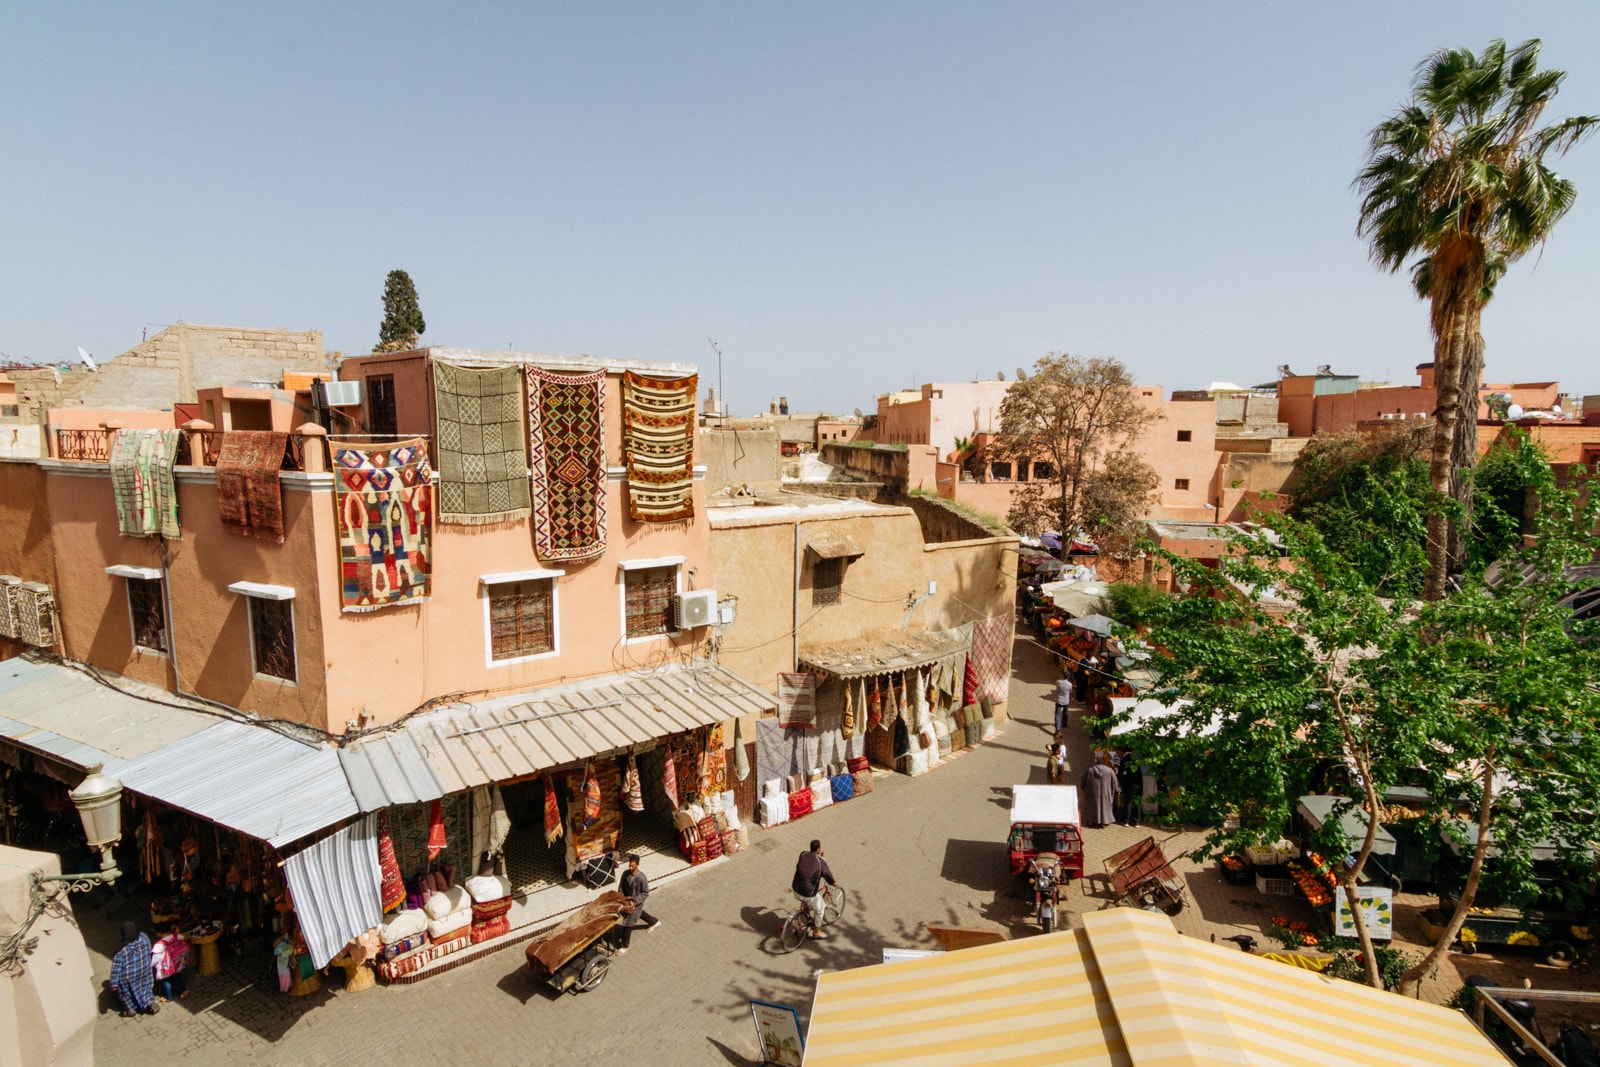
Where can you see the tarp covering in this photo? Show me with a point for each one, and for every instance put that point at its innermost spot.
(1126, 990)
(1316, 810)
(334, 887)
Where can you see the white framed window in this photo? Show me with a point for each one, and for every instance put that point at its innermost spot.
(649, 590)
(520, 616)
(147, 606)
(273, 654)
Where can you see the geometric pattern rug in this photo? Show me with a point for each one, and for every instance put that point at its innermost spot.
(658, 427)
(483, 470)
(991, 655)
(383, 496)
(567, 444)
(142, 483)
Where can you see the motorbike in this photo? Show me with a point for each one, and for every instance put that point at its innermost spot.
(1045, 869)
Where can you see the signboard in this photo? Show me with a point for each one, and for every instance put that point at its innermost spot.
(1377, 908)
(778, 1033)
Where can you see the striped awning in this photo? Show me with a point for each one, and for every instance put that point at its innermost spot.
(1127, 989)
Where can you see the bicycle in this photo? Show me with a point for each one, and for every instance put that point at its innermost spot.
(797, 924)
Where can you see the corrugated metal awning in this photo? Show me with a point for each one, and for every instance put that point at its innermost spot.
(835, 548)
(888, 653)
(522, 734)
(250, 778)
(389, 769)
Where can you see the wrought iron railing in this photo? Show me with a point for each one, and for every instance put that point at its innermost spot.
(95, 446)
(91, 445)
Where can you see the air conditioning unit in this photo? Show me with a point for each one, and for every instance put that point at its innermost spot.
(342, 394)
(8, 625)
(698, 607)
(33, 613)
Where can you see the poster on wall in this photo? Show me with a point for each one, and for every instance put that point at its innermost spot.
(1377, 908)
(778, 1032)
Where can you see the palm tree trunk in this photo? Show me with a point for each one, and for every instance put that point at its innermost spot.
(1457, 277)
(1465, 454)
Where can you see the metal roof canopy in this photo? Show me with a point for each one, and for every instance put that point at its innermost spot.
(1317, 810)
(520, 735)
(250, 778)
(1044, 805)
(887, 654)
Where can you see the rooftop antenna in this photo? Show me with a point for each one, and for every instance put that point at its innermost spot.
(88, 360)
(722, 395)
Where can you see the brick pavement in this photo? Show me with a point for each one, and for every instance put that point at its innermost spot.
(913, 851)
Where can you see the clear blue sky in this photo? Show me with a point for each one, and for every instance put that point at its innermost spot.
(850, 198)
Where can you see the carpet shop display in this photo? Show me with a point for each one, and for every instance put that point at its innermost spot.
(384, 498)
(566, 444)
(141, 463)
(248, 495)
(483, 470)
(658, 429)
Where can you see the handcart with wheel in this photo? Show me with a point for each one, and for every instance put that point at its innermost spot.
(573, 956)
(1141, 877)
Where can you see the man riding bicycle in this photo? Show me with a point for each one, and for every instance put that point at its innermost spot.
(809, 875)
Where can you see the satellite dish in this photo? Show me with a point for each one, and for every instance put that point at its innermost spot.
(1022, 375)
(1000, 376)
(858, 413)
(1284, 371)
(88, 360)
(1325, 368)
(1514, 412)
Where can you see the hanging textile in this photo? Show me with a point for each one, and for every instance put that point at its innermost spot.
(919, 691)
(499, 820)
(141, 463)
(969, 687)
(552, 813)
(602, 783)
(393, 884)
(483, 471)
(658, 431)
(797, 701)
(248, 495)
(632, 790)
(741, 758)
(567, 443)
(384, 501)
(591, 797)
(480, 825)
(847, 718)
(436, 836)
(335, 886)
(714, 775)
(991, 653)
(669, 778)
(874, 704)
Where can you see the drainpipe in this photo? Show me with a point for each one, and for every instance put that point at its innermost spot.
(796, 601)
(166, 604)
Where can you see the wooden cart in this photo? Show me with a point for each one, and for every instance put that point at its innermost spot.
(573, 955)
(1141, 877)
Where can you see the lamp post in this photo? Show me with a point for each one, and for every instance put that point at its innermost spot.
(98, 799)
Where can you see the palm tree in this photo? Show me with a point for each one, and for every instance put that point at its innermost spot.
(1459, 175)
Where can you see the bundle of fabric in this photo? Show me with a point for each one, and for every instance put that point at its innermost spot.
(843, 787)
(384, 498)
(861, 782)
(389, 970)
(958, 738)
(821, 794)
(484, 888)
(857, 763)
(405, 946)
(566, 440)
(730, 842)
(449, 915)
(141, 463)
(713, 847)
(800, 803)
(248, 495)
(490, 919)
(658, 430)
(403, 932)
(773, 809)
(483, 475)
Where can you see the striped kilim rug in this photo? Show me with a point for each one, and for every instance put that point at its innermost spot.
(385, 499)
(567, 443)
(483, 470)
(658, 425)
(141, 464)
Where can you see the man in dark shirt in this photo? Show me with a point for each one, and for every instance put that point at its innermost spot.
(809, 875)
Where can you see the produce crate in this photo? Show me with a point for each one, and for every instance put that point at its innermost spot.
(1242, 876)
(1274, 882)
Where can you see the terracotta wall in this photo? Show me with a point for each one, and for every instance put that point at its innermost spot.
(413, 391)
(26, 549)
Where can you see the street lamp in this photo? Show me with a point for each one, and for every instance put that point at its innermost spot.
(98, 799)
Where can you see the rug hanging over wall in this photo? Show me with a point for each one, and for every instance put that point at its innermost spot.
(658, 426)
(483, 471)
(385, 499)
(567, 443)
(141, 463)
(247, 483)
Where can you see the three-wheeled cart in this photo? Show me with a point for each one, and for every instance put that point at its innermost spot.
(573, 955)
(1044, 818)
(1141, 877)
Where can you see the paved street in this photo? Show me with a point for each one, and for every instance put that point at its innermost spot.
(930, 849)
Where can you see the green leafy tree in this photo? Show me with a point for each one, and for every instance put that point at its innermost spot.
(402, 321)
(1080, 417)
(1459, 174)
(1504, 496)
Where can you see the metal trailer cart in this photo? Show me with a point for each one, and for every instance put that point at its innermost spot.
(1141, 877)
(573, 955)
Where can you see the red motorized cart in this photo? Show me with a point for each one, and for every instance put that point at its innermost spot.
(1044, 818)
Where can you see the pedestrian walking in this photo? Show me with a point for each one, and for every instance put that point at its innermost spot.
(1063, 700)
(1056, 759)
(169, 958)
(1130, 783)
(132, 979)
(1099, 794)
(635, 884)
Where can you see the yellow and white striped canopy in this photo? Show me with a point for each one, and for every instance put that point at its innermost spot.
(1129, 991)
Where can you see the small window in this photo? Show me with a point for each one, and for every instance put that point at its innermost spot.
(1001, 472)
(1186, 435)
(8, 411)
(1043, 472)
(827, 576)
(149, 614)
(647, 596)
(1181, 483)
(381, 419)
(272, 637)
(522, 619)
